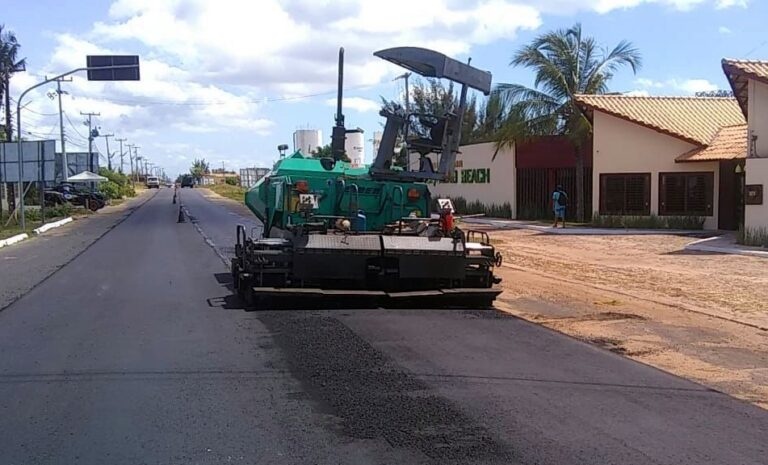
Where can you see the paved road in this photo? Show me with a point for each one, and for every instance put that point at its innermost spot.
(135, 353)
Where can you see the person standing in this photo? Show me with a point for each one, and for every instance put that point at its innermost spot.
(559, 202)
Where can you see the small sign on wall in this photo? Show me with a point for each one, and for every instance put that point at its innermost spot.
(753, 194)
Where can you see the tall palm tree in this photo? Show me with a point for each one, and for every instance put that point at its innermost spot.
(565, 64)
(10, 63)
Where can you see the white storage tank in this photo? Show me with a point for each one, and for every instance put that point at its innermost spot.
(355, 147)
(307, 140)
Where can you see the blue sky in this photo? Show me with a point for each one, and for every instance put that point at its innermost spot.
(228, 80)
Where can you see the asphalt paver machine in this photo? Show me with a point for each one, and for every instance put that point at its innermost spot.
(335, 232)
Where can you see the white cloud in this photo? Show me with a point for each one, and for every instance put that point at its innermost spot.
(356, 103)
(687, 86)
(648, 83)
(724, 30)
(730, 3)
(637, 93)
(606, 6)
(692, 86)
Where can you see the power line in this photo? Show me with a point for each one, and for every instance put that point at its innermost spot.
(41, 114)
(73, 127)
(226, 102)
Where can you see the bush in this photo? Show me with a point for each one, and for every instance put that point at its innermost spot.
(475, 207)
(231, 180)
(648, 222)
(124, 186)
(110, 189)
(58, 211)
(757, 237)
(127, 191)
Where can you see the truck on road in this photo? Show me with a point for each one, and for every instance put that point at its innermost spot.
(153, 182)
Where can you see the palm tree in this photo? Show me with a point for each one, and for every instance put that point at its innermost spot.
(565, 64)
(9, 64)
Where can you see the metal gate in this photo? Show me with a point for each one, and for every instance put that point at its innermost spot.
(535, 187)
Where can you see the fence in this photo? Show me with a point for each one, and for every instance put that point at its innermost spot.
(535, 187)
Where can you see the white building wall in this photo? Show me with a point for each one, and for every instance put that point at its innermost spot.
(757, 116)
(495, 184)
(624, 147)
(756, 216)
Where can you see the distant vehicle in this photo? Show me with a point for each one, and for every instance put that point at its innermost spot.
(153, 182)
(187, 181)
(80, 196)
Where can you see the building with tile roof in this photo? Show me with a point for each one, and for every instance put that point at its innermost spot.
(749, 81)
(667, 156)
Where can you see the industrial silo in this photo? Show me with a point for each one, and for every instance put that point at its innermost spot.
(355, 147)
(307, 140)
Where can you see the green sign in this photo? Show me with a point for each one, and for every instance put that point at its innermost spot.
(476, 176)
(471, 176)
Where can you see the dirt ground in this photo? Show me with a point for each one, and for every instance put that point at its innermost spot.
(701, 316)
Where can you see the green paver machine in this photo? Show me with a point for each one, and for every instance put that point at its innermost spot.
(339, 232)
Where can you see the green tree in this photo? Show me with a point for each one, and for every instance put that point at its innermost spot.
(432, 97)
(199, 168)
(491, 117)
(565, 63)
(326, 152)
(10, 63)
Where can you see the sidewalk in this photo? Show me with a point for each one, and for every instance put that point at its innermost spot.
(726, 244)
(576, 231)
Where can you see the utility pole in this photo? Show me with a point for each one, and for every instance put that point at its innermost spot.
(90, 138)
(130, 158)
(122, 155)
(109, 154)
(138, 161)
(64, 164)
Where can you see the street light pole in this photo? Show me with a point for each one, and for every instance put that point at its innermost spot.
(20, 205)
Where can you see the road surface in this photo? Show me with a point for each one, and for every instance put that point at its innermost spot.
(135, 352)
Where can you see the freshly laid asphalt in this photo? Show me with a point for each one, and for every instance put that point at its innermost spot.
(136, 352)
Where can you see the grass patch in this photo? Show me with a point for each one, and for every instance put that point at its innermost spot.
(475, 207)
(648, 222)
(756, 237)
(236, 193)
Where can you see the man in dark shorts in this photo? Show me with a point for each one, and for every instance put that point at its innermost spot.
(559, 202)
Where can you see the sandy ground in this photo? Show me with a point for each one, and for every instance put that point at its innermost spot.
(693, 314)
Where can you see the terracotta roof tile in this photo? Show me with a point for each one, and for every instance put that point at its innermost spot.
(729, 143)
(694, 119)
(739, 72)
(755, 68)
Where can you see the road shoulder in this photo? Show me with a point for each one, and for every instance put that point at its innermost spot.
(27, 264)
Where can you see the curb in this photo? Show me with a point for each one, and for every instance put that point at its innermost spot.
(13, 239)
(49, 226)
